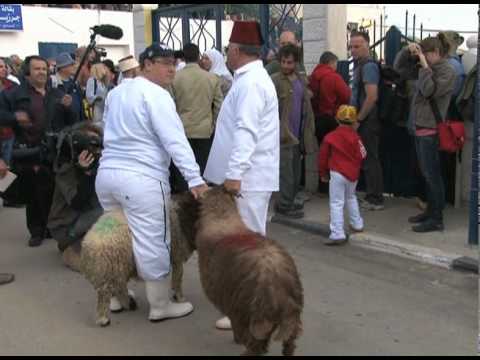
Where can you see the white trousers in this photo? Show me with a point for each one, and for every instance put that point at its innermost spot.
(253, 209)
(144, 201)
(342, 192)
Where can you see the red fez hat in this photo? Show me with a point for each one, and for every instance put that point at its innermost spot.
(247, 33)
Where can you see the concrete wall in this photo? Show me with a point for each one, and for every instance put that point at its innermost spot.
(324, 28)
(42, 24)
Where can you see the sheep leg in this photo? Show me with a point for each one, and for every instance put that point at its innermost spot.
(237, 338)
(103, 302)
(177, 277)
(289, 346)
(256, 347)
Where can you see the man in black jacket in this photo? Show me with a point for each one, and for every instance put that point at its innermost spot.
(33, 110)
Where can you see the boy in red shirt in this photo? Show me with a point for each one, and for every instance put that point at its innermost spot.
(339, 161)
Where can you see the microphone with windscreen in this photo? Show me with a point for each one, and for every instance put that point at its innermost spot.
(108, 31)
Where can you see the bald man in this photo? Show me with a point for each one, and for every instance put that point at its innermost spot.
(286, 38)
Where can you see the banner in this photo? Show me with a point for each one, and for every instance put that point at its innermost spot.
(11, 17)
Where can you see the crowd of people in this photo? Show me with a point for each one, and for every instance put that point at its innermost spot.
(127, 136)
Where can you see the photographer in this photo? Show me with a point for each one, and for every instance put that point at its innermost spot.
(63, 81)
(33, 110)
(436, 80)
(75, 206)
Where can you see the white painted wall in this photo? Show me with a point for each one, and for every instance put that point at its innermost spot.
(364, 14)
(69, 26)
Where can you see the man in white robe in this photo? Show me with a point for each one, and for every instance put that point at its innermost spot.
(245, 155)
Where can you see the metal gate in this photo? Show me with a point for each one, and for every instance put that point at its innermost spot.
(208, 25)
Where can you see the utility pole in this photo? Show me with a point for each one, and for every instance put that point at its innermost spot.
(474, 199)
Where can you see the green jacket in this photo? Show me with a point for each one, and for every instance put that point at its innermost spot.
(274, 67)
(285, 94)
(198, 96)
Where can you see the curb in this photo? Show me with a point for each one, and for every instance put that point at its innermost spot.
(379, 243)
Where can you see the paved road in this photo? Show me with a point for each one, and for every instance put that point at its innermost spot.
(357, 302)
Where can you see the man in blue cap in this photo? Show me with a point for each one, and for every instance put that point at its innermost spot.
(63, 80)
(143, 133)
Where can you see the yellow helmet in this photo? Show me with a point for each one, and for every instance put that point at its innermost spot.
(347, 114)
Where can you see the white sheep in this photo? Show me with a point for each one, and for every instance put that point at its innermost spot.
(107, 259)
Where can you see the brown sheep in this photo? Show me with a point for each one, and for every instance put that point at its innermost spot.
(107, 259)
(249, 278)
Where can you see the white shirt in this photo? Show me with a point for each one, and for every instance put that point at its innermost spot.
(143, 132)
(246, 146)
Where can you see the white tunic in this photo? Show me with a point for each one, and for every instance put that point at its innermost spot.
(247, 136)
(143, 132)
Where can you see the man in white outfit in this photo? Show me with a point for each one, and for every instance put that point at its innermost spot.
(142, 134)
(246, 148)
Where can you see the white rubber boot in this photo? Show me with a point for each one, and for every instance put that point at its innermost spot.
(224, 324)
(161, 308)
(115, 305)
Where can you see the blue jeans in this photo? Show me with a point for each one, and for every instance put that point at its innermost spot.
(429, 161)
(6, 147)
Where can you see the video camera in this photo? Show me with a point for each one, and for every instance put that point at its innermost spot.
(99, 54)
(85, 142)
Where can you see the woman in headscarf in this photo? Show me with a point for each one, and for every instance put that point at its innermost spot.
(213, 61)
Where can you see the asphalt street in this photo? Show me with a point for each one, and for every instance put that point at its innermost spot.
(357, 302)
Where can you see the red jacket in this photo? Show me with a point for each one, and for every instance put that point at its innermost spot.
(342, 151)
(329, 91)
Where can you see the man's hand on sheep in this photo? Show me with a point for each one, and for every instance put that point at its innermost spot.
(198, 191)
(233, 186)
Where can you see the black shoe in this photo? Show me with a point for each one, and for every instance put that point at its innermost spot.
(35, 241)
(428, 226)
(7, 204)
(418, 218)
(297, 206)
(291, 213)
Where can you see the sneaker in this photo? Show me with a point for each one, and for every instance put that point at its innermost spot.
(357, 231)
(223, 324)
(291, 213)
(297, 206)
(418, 218)
(428, 226)
(337, 242)
(303, 197)
(35, 241)
(367, 205)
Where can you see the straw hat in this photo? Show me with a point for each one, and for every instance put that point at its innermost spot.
(127, 63)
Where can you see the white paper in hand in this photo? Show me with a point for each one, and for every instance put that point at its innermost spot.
(7, 181)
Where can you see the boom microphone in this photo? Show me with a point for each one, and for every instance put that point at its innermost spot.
(108, 31)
